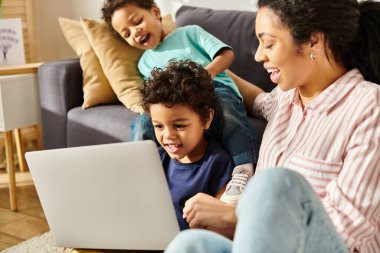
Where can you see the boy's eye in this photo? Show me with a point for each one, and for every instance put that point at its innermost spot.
(158, 127)
(180, 126)
(139, 21)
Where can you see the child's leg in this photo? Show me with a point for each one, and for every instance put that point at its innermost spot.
(239, 138)
(142, 128)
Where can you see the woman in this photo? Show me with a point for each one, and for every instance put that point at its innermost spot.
(323, 126)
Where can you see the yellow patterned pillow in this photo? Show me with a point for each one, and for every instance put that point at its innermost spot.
(96, 88)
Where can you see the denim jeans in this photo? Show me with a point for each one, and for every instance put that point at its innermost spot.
(231, 127)
(278, 212)
(142, 128)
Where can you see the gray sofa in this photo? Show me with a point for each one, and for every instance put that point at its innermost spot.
(66, 124)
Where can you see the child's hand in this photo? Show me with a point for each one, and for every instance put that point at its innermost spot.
(202, 211)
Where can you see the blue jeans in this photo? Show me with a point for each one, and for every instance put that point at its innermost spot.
(278, 212)
(231, 127)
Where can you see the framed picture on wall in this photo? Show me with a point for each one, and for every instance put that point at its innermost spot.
(11, 42)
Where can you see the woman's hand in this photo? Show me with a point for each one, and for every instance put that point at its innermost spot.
(205, 211)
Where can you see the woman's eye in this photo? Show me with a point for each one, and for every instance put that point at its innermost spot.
(268, 46)
(139, 21)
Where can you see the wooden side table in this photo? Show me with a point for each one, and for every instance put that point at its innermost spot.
(19, 107)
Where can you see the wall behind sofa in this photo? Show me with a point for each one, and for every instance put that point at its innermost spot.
(52, 45)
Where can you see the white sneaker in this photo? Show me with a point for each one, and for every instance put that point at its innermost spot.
(240, 176)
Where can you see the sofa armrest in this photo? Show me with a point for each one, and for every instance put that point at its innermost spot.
(60, 88)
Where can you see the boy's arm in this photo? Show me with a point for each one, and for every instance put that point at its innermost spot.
(248, 90)
(205, 211)
(220, 192)
(221, 62)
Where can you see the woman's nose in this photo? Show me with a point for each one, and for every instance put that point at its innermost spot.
(259, 56)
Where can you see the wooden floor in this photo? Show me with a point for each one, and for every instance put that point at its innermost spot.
(27, 222)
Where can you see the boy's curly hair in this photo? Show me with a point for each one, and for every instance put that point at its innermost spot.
(110, 6)
(181, 82)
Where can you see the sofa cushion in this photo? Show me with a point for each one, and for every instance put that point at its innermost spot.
(119, 62)
(99, 125)
(110, 123)
(235, 28)
(96, 88)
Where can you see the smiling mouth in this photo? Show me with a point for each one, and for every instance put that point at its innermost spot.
(144, 39)
(274, 74)
(173, 148)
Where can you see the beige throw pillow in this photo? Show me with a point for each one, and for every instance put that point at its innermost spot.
(119, 62)
(96, 88)
(109, 65)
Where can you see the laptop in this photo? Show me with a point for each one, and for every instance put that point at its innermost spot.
(110, 196)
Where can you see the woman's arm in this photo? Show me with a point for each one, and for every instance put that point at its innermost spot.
(221, 62)
(353, 199)
(248, 90)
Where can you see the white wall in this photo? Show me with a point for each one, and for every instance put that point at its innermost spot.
(51, 44)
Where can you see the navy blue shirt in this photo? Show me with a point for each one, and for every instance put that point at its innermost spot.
(185, 180)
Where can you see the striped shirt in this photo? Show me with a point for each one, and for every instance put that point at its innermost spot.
(334, 142)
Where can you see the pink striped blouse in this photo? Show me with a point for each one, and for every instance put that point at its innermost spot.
(334, 142)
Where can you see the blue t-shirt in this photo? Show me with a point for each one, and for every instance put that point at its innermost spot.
(185, 180)
(186, 43)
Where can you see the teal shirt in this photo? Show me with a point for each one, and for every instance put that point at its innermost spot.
(186, 43)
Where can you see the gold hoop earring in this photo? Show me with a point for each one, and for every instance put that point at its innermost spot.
(312, 56)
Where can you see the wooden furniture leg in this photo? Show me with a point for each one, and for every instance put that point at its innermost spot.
(20, 150)
(11, 169)
(40, 145)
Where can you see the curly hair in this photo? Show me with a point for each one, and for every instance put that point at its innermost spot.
(110, 6)
(181, 82)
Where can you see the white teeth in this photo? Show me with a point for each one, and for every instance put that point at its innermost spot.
(272, 70)
(144, 38)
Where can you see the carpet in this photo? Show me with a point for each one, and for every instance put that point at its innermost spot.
(39, 244)
(45, 244)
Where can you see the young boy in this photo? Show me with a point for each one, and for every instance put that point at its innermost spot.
(138, 22)
(181, 102)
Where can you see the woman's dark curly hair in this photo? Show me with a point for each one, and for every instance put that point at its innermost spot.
(110, 6)
(351, 29)
(181, 82)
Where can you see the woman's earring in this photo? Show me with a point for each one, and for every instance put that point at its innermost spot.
(312, 56)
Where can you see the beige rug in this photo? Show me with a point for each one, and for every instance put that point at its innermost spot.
(45, 244)
(38, 244)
